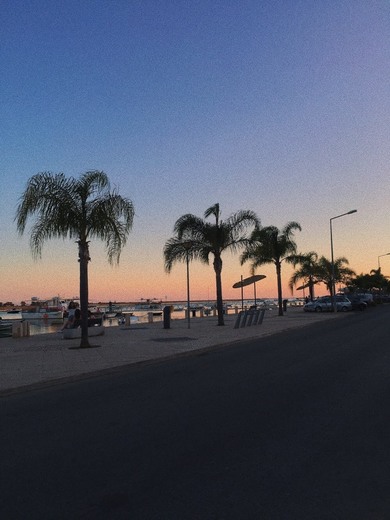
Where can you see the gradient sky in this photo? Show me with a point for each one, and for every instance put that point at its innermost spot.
(281, 107)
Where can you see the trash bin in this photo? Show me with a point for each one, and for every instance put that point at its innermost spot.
(167, 317)
(285, 305)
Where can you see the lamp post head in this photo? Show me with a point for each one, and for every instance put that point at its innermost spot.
(343, 214)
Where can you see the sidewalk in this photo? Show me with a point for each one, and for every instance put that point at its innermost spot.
(46, 358)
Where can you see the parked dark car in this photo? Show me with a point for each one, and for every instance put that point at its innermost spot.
(357, 303)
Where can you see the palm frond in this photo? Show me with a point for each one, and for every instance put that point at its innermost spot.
(213, 210)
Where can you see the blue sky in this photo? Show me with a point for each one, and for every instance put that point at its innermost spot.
(278, 107)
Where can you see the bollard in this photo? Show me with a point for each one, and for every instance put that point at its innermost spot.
(128, 320)
(201, 312)
(236, 309)
(150, 317)
(167, 317)
(25, 329)
(16, 330)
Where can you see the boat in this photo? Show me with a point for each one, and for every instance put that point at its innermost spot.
(127, 318)
(5, 329)
(112, 311)
(13, 314)
(36, 312)
(177, 307)
(149, 305)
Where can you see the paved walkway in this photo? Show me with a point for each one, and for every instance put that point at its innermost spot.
(46, 358)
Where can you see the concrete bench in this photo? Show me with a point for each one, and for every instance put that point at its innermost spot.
(76, 333)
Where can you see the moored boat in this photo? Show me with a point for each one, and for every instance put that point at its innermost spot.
(112, 311)
(43, 309)
(13, 314)
(42, 313)
(149, 306)
(5, 329)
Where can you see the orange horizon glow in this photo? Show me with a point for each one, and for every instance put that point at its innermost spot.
(52, 276)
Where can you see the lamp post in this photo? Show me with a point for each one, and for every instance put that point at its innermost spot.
(333, 285)
(187, 247)
(379, 265)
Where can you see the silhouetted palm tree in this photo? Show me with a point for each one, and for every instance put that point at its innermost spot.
(78, 209)
(342, 273)
(361, 282)
(307, 272)
(269, 245)
(199, 239)
(378, 280)
(373, 282)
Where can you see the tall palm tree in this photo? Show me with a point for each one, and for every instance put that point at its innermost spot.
(199, 239)
(378, 280)
(307, 271)
(342, 273)
(78, 209)
(269, 245)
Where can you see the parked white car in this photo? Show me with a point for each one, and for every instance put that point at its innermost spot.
(324, 303)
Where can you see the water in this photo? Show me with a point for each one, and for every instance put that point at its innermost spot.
(52, 326)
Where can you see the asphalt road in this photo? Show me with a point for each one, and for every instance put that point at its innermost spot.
(292, 426)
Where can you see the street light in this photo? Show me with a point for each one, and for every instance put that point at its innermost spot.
(379, 265)
(333, 285)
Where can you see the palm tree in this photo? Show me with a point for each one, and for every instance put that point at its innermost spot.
(269, 245)
(342, 273)
(196, 238)
(378, 280)
(361, 282)
(77, 209)
(307, 272)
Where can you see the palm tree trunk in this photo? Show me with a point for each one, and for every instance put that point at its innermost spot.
(218, 281)
(279, 280)
(311, 288)
(84, 259)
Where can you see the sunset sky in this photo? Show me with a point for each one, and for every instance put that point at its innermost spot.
(280, 107)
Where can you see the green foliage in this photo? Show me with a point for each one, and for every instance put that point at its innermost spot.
(374, 281)
(196, 239)
(78, 209)
(342, 273)
(307, 272)
(269, 245)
